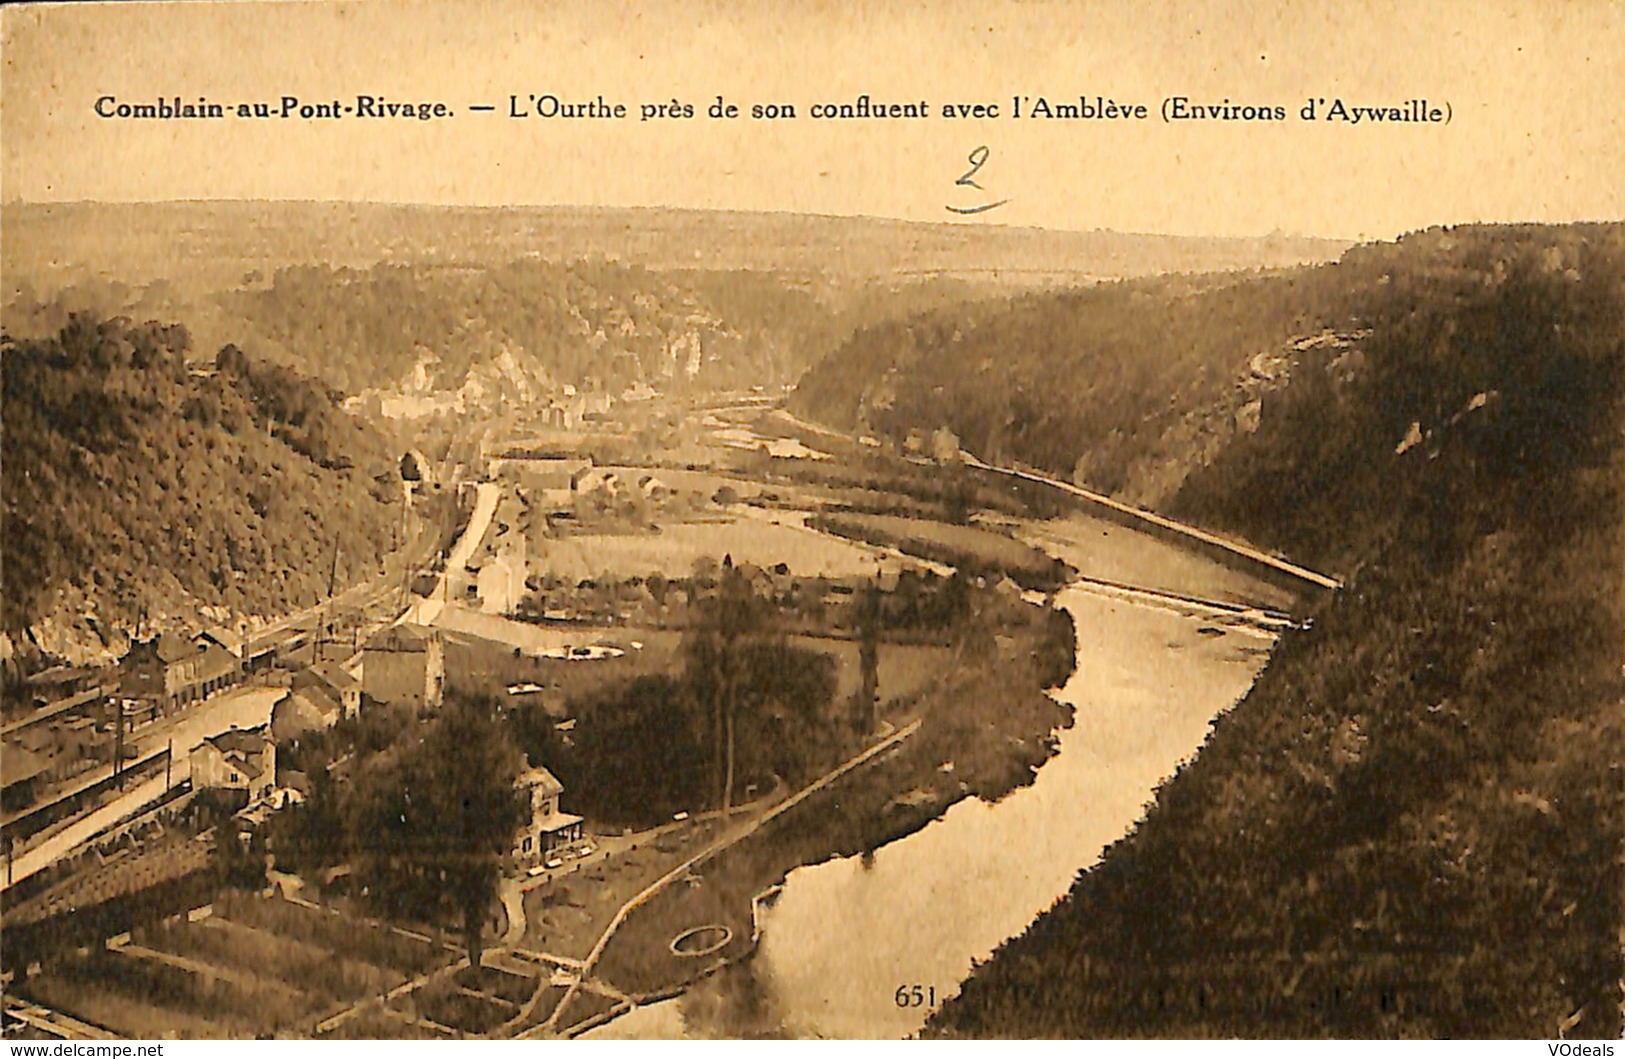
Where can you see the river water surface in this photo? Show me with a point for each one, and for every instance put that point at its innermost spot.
(845, 935)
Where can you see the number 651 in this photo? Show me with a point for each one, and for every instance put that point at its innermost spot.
(915, 996)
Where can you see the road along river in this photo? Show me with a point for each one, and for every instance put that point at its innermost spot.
(845, 935)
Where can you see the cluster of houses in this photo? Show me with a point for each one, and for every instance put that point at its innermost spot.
(807, 602)
(572, 484)
(156, 677)
(401, 665)
(237, 771)
(169, 672)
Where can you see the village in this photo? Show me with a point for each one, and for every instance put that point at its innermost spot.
(580, 576)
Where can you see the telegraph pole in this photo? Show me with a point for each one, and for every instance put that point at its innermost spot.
(118, 741)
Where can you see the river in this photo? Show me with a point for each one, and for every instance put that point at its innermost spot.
(845, 935)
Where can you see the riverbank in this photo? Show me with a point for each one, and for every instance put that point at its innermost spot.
(1411, 827)
(840, 936)
(1345, 857)
(961, 748)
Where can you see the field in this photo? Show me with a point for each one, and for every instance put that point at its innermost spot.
(488, 666)
(901, 669)
(760, 538)
(971, 547)
(254, 966)
(478, 664)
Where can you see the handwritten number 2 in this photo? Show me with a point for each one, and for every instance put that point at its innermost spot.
(977, 159)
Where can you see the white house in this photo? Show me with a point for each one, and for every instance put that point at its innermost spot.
(240, 763)
(549, 829)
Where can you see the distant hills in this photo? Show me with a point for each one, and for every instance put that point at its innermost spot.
(498, 306)
(509, 304)
(217, 242)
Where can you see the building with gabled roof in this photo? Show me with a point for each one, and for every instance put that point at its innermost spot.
(170, 670)
(237, 766)
(334, 683)
(550, 830)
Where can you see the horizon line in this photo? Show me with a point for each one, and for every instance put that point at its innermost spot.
(1276, 233)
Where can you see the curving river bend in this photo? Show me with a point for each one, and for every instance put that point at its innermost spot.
(845, 935)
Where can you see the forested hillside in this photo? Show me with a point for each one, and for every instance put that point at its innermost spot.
(507, 332)
(1412, 825)
(1128, 387)
(611, 324)
(137, 488)
(411, 300)
(1100, 382)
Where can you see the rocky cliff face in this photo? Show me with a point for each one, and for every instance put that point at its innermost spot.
(1199, 433)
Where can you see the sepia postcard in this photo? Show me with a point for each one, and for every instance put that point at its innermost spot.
(878, 520)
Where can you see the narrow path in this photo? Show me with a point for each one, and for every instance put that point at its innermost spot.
(682, 869)
(1162, 522)
(1134, 513)
(513, 905)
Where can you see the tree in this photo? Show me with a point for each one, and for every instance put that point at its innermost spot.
(431, 824)
(716, 664)
(868, 695)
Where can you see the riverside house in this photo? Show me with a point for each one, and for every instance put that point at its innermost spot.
(549, 831)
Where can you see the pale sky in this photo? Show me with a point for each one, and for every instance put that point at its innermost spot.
(1534, 90)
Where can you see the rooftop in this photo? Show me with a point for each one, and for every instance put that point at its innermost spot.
(335, 676)
(172, 647)
(557, 821)
(404, 638)
(224, 637)
(240, 740)
(539, 777)
(216, 662)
